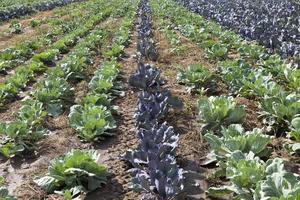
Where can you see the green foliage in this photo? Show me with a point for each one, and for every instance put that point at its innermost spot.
(25, 131)
(53, 93)
(195, 77)
(32, 113)
(295, 129)
(104, 79)
(292, 77)
(74, 67)
(15, 27)
(91, 122)
(62, 45)
(217, 52)
(254, 179)
(7, 91)
(97, 99)
(20, 78)
(256, 84)
(233, 72)
(234, 138)
(252, 51)
(230, 38)
(47, 56)
(244, 172)
(217, 111)
(4, 194)
(293, 145)
(115, 51)
(123, 34)
(278, 111)
(274, 65)
(76, 172)
(9, 147)
(35, 23)
(279, 184)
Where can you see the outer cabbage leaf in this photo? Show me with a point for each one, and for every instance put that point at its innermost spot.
(92, 122)
(157, 143)
(236, 138)
(146, 77)
(153, 107)
(77, 171)
(217, 111)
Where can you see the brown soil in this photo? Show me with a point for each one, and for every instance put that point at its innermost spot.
(112, 150)
(26, 22)
(251, 120)
(8, 114)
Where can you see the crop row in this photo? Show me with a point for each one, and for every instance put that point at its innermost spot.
(251, 74)
(155, 171)
(25, 73)
(13, 56)
(93, 120)
(23, 9)
(51, 97)
(54, 93)
(241, 155)
(7, 3)
(146, 45)
(274, 24)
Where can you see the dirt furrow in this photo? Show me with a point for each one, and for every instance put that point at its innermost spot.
(112, 150)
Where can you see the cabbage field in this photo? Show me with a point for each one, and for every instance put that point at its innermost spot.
(150, 99)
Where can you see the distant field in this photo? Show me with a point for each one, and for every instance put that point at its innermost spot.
(6, 3)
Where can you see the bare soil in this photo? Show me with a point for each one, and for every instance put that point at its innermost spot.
(112, 150)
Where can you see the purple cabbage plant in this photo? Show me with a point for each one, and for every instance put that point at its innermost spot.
(156, 173)
(147, 77)
(159, 142)
(146, 45)
(152, 107)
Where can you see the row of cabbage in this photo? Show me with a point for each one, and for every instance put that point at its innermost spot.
(25, 73)
(155, 171)
(265, 78)
(93, 120)
(25, 9)
(6, 3)
(53, 94)
(241, 155)
(16, 55)
(78, 171)
(272, 23)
